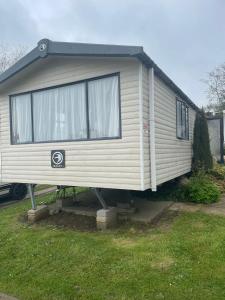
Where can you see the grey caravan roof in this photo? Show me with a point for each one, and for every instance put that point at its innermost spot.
(47, 47)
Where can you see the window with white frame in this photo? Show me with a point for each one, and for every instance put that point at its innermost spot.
(103, 107)
(21, 131)
(182, 120)
(80, 111)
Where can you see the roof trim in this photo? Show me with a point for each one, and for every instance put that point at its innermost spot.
(47, 47)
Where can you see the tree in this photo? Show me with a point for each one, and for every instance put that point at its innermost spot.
(10, 55)
(216, 89)
(202, 158)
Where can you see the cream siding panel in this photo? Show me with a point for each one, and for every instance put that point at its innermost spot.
(105, 163)
(147, 179)
(173, 156)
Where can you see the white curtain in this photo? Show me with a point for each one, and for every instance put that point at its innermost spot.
(183, 125)
(187, 123)
(60, 114)
(182, 120)
(103, 104)
(21, 119)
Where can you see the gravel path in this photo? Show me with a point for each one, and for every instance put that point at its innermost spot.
(214, 209)
(6, 297)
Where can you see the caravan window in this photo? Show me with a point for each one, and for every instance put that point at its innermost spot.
(60, 114)
(21, 131)
(103, 104)
(84, 110)
(182, 120)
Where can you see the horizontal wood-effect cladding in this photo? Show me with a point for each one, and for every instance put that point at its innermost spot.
(173, 156)
(104, 163)
(146, 148)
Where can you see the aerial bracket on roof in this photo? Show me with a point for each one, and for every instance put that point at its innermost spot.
(43, 47)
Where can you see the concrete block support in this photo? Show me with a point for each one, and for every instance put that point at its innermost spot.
(106, 218)
(39, 213)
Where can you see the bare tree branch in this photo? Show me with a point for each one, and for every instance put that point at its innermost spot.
(10, 54)
(216, 89)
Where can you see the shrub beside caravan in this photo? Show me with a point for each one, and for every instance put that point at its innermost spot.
(100, 116)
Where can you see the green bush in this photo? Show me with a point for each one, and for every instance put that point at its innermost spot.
(218, 171)
(200, 189)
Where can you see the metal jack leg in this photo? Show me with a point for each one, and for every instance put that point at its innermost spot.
(31, 191)
(99, 196)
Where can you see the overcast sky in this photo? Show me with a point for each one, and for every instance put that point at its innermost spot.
(185, 38)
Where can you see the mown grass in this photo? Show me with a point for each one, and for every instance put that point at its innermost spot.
(41, 187)
(183, 261)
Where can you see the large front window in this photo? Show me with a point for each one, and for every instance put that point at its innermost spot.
(60, 114)
(85, 110)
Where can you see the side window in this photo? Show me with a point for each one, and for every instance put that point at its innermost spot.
(182, 120)
(21, 129)
(103, 104)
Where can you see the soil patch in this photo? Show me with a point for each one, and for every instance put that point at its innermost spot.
(72, 221)
(164, 264)
(84, 223)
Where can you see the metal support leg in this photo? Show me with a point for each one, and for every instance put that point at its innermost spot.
(100, 198)
(31, 191)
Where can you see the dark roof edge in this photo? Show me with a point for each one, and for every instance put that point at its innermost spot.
(151, 64)
(20, 65)
(47, 47)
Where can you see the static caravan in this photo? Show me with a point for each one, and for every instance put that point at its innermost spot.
(101, 116)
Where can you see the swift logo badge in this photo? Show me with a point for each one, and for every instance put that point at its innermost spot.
(58, 158)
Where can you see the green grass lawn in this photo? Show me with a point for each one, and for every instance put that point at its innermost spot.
(41, 187)
(181, 258)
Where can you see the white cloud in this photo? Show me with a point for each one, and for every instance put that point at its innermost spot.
(185, 38)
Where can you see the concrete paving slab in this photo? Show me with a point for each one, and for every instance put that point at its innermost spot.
(214, 208)
(186, 207)
(148, 211)
(53, 209)
(81, 210)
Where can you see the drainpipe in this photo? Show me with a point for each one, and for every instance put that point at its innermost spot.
(222, 137)
(152, 129)
(141, 125)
